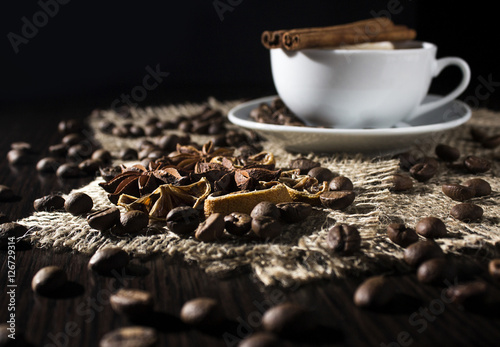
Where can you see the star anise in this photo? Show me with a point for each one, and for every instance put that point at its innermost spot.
(186, 157)
(137, 180)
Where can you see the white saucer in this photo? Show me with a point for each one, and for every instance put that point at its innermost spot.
(368, 141)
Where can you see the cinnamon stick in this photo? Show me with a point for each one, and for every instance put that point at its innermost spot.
(274, 39)
(293, 40)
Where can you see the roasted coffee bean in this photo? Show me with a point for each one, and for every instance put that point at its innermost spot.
(235, 138)
(401, 182)
(108, 259)
(72, 139)
(131, 336)
(136, 131)
(120, 131)
(132, 222)
(185, 126)
(265, 208)
(238, 223)
(22, 146)
(132, 302)
(304, 165)
(480, 186)
(477, 135)
(90, 166)
(128, 154)
(48, 279)
(468, 294)
(183, 219)
(202, 312)
(69, 170)
(59, 150)
(216, 128)
(78, 203)
(431, 228)
(374, 292)
(418, 252)
(467, 212)
(423, 172)
(261, 339)
(337, 200)
(79, 152)
(211, 229)
(9, 230)
(436, 271)
(48, 165)
(6, 194)
(68, 126)
(19, 157)
(494, 269)
(104, 219)
(152, 130)
(288, 320)
(102, 155)
(109, 172)
(344, 238)
(406, 160)
(266, 227)
(293, 212)
(477, 164)
(49, 203)
(458, 192)
(106, 126)
(447, 153)
(491, 142)
(321, 174)
(340, 183)
(168, 142)
(401, 234)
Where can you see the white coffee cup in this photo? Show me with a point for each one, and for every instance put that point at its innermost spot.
(361, 88)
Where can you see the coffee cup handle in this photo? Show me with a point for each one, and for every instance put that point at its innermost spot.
(440, 65)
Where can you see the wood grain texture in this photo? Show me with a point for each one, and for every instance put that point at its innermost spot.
(418, 316)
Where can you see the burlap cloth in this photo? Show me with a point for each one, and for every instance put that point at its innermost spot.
(299, 255)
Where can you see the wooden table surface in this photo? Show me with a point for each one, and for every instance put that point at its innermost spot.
(418, 316)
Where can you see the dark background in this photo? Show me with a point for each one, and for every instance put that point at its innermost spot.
(91, 52)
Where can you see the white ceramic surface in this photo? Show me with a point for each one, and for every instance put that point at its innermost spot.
(367, 141)
(360, 88)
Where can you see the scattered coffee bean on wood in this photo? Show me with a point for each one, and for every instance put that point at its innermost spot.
(127, 154)
(108, 259)
(9, 230)
(401, 235)
(6, 194)
(265, 208)
(78, 203)
(48, 279)
(468, 294)
(322, 174)
(104, 219)
(431, 228)
(72, 139)
(48, 165)
(261, 339)
(436, 271)
(447, 153)
(266, 227)
(132, 302)
(288, 320)
(477, 164)
(401, 182)
(467, 212)
(294, 212)
(49, 203)
(58, 150)
(69, 170)
(340, 183)
(131, 336)
(343, 238)
(19, 157)
(90, 166)
(458, 192)
(494, 269)
(211, 229)
(68, 126)
(238, 223)
(418, 252)
(337, 200)
(374, 292)
(132, 222)
(202, 312)
(480, 186)
(183, 220)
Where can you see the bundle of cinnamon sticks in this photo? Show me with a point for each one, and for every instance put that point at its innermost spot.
(368, 30)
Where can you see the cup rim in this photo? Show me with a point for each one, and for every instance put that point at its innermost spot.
(425, 47)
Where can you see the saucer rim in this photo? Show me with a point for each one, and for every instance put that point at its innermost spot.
(410, 130)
